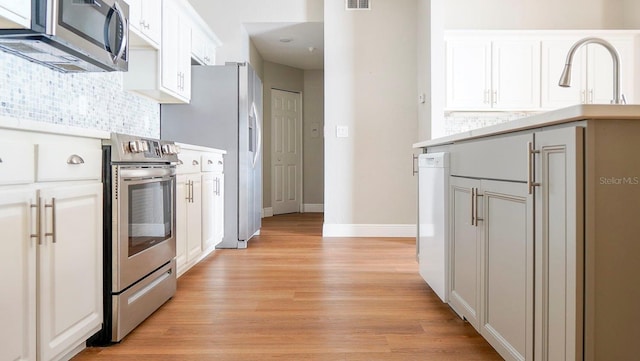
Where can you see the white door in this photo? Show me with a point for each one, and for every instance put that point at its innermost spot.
(286, 151)
(468, 74)
(516, 74)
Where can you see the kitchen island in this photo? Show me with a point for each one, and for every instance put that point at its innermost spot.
(542, 232)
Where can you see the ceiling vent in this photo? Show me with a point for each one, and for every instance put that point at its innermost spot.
(358, 4)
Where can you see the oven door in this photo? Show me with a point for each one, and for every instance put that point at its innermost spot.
(144, 217)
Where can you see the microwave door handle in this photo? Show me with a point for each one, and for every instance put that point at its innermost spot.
(118, 10)
(125, 32)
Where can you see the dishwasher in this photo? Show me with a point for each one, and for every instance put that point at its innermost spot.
(433, 206)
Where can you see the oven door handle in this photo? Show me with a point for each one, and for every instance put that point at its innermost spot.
(146, 173)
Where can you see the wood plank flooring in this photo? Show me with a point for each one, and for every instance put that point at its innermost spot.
(293, 295)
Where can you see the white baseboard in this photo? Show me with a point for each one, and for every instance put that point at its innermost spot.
(313, 208)
(267, 212)
(369, 230)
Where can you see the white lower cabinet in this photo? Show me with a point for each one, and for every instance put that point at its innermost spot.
(69, 267)
(52, 242)
(188, 220)
(199, 204)
(18, 276)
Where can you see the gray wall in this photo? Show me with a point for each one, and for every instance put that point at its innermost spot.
(313, 142)
(542, 14)
(370, 86)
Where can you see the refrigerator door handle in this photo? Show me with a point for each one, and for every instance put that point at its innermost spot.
(256, 154)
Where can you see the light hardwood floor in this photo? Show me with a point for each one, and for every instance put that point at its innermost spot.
(293, 295)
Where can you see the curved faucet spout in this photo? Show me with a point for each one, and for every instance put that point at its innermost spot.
(565, 78)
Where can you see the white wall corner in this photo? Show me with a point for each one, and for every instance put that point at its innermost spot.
(267, 212)
(313, 208)
(369, 230)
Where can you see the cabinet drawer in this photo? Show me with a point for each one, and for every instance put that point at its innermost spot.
(60, 162)
(189, 162)
(16, 163)
(212, 162)
(504, 158)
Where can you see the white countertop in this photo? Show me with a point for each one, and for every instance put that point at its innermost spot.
(563, 115)
(200, 148)
(42, 127)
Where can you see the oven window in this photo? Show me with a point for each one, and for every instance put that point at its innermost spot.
(150, 215)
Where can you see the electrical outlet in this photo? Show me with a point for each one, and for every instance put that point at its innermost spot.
(342, 131)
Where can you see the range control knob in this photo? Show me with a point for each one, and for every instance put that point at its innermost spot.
(170, 149)
(136, 146)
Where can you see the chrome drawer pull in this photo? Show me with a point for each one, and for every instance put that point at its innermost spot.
(195, 162)
(209, 161)
(75, 159)
(37, 207)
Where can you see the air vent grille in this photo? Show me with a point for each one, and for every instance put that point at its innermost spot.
(358, 4)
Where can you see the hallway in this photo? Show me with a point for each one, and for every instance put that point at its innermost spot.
(292, 295)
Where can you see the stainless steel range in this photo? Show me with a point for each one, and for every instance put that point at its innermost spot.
(139, 176)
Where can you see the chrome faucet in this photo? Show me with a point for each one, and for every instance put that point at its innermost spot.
(565, 78)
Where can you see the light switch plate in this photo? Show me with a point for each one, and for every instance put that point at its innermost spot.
(342, 131)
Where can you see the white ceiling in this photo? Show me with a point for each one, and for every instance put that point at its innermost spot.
(305, 50)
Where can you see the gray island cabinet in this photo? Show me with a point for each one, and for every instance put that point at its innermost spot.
(543, 233)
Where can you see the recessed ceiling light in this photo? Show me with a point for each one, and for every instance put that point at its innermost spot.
(285, 40)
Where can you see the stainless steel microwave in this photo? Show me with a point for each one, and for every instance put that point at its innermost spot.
(73, 35)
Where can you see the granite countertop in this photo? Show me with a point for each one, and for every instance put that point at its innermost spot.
(559, 116)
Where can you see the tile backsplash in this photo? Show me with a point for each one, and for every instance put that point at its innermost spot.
(87, 100)
(458, 122)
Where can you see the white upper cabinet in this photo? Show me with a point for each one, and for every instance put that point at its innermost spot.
(492, 73)
(15, 14)
(592, 71)
(145, 17)
(163, 72)
(468, 74)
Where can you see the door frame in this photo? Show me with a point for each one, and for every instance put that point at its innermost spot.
(300, 133)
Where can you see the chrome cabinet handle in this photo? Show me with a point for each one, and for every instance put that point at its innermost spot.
(0, 160)
(188, 185)
(75, 159)
(52, 234)
(219, 162)
(195, 162)
(209, 161)
(530, 176)
(37, 217)
(474, 206)
(413, 165)
(494, 97)
(180, 162)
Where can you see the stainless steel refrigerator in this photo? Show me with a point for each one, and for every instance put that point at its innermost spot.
(226, 113)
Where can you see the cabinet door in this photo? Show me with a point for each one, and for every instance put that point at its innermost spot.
(515, 74)
(184, 58)
(554, 55)
(135, 15)
(18, 275)
(70, 267)
(507, 269)
(170, 73)
(152, 18)
(209, 185)
(16, 12)
(464, 239)
(559, 230)
(194, 219)
(468, 74)
(182, 198)
(218, 210)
